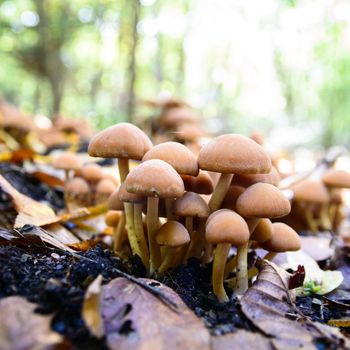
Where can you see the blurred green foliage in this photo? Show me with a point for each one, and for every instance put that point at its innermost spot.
(93, 58)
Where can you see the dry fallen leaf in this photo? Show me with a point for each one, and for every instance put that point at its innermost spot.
(33, 235)
(135, 319)
(343, 322)
(242, 340)
(269, 304)
(22, 329)
(29, 211)
(91, 312)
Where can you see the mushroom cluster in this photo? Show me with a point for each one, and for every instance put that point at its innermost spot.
(317, 201)
(177, 204)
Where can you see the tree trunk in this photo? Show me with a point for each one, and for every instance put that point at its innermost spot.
(134, 38)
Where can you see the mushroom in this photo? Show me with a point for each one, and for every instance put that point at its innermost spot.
(92, 173)
(260, 200)
(335, 180)
(172, 235)
(112, 218)
(104, 189)
(76, 193)
(68, 162)
(262, 233)
(123, 141)
(202, 183)
(192, 205)
(114, 203)
(230, 199)
(179, 157)
(306, 194)
(230, 154)
(154, 179)
(133, 212)
(273, 177)
(224, 228)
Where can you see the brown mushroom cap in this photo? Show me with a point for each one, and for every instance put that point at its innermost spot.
(114, 202)
(189, 132)
(67, 161)
(126, 196)
(122, 140)
(112, 218)
(92, 172)
(262, 201)
(178, 115)
(202, 183)
(283, 239)
(337, 178)
(155, 178)
(258, 137)
(105, 186)
(172, 234)
(226, 226)
(263, 231)
(230, 199)
(235, 154)
(77, 186)
(191, 204)
(246, 180)
(177, 155)
(313, 191)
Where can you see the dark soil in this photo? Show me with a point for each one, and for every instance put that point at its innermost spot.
(57, 282)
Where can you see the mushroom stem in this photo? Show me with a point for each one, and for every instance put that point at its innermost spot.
(312, 225)
(197, 244)
(152, 228)
(220, 192)
(123, 167)
(333, 208)
(220, 257)
(242, 259)
(168, 259)
(324, 217)
(169, 209)
(118, 234)
(242, 269)
(129, 215)
(66, 174)
(208, 252)
(140, 235)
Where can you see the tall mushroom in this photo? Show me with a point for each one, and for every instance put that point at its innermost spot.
(224, 228)
(231, 154)
(123, 141)
(133, 212)
(261, 200)
(179, 157)
(68, 162)
(154, 179)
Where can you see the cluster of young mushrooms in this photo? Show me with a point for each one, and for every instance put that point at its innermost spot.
(186, 214)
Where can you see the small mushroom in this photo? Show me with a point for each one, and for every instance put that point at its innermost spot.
(306, 195)
(231, 154)
(224, 228)
(104, 189)
(172, 235)
(68, 162)
(202, 183)
(76, 193)
(92, 173)
(192, 205)
(154, 179)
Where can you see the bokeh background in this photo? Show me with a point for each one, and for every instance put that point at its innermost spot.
(278, 66)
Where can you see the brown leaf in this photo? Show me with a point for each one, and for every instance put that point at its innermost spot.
(343, 322)
(242, 340)
(22, 329)
(269, 303)
(297, 278)
(29, 211)
(92, 308)
(135, 319)
(48, 179)
(33, 235)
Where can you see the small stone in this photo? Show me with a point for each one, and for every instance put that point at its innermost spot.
(55, 256)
